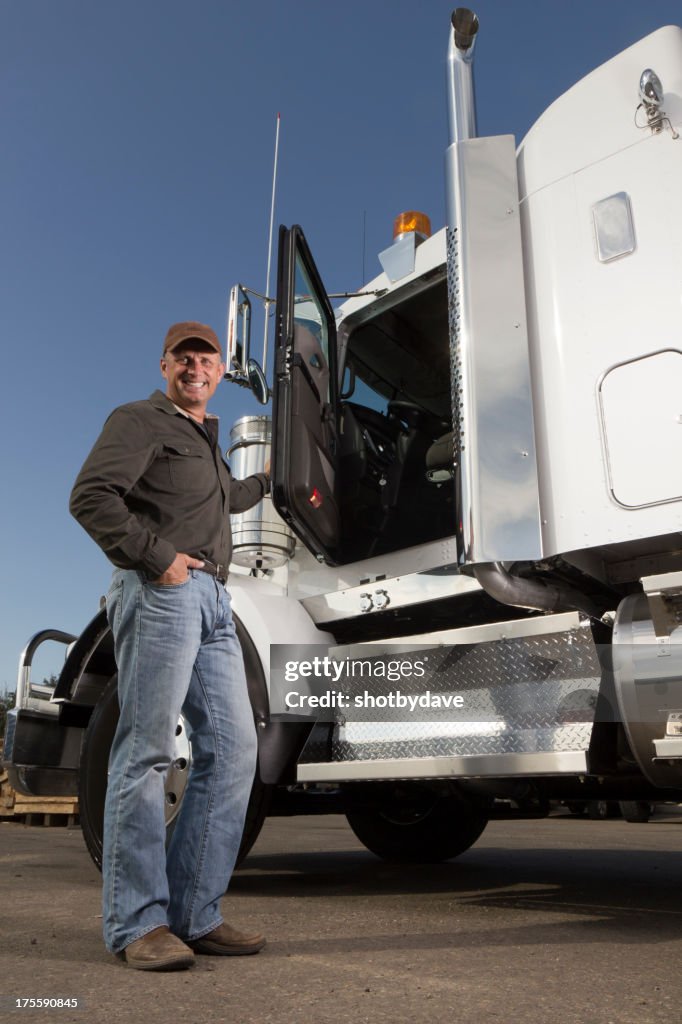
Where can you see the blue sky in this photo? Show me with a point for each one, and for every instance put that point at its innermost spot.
(135, 189)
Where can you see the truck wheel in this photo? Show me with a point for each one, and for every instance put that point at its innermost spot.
(576, 807)
(442, 828)
(94, 768)
(600, 809)
(635, 810)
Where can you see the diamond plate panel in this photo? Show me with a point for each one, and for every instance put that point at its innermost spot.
(525, 695)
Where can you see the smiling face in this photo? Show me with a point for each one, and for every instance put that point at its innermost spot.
(192, 372)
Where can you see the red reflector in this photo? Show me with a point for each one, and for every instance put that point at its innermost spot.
(315, 498)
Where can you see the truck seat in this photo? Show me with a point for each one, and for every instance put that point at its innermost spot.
(440, 459)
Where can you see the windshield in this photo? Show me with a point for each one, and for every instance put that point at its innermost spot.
(403, 353)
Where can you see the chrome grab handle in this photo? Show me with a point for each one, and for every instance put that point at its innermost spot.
(26, 660)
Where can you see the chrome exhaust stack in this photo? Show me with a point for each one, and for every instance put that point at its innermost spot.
(491, 396)
(461, 97)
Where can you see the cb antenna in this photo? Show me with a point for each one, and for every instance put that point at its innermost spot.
(268, 301)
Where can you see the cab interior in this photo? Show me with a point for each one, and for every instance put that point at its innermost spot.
(396, 461)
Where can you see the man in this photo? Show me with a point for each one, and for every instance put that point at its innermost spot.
(155, 494)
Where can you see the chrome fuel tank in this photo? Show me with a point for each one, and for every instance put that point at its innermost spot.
(261, 539)
(648, 680)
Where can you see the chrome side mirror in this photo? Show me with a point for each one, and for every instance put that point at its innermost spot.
(257, 382)
(238, 334)
(240, 368)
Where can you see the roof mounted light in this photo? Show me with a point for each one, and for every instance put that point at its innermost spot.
(410, 229)
(412, 220)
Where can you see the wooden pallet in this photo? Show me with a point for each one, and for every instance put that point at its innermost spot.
(36, 810)
(7, 796)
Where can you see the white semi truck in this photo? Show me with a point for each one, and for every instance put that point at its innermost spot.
(477, 467)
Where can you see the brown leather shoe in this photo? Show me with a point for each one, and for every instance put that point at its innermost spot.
(227, 941)
(158, 950)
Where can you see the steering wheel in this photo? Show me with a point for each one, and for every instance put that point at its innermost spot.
(406, 410)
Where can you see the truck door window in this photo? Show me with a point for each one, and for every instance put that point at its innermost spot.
(309, 317)
(304, 446)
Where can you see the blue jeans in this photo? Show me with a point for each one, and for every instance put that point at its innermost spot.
(176, 651)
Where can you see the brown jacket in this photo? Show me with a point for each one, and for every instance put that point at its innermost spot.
(155, 484)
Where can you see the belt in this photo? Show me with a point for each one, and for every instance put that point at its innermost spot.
(219, 571)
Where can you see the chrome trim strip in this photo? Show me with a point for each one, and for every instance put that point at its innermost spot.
(496, 766)
(491, 384)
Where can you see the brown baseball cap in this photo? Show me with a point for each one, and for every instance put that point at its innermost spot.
(191, 329)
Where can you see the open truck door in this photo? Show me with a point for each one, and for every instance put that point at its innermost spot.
(305, 401)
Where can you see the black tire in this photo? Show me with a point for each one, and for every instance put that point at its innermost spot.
(93, 774)
(256, 813)
(94, 767)
(439, 829)
(635, 810)
(597, 810)
(576, 807)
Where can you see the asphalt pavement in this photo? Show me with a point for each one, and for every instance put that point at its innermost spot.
(562, 920)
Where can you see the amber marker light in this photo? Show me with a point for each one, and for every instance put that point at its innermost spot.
(412, 220)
